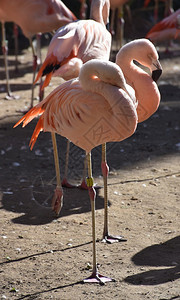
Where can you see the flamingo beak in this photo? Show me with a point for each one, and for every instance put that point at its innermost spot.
(156, 70)
(156, 74)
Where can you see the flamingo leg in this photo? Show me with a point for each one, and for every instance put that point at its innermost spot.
(83, 184)
(112, 30)
(121, 25)
(15, 30)
(36, 63)
(156, 8)
(65, 182)
(9, 95)
(95, 277)
(57, 201)
(105, 169)
(34, 71)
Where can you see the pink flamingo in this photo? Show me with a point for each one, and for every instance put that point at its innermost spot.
(33, 16)
(76, 43)
(71, 46)
(100, 96)
(146, 93)
(166, 29)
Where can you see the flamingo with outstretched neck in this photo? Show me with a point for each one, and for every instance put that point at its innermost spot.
(100, 96)
(146, 93)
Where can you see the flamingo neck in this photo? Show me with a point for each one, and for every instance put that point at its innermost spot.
(131, 70)
(99, 11)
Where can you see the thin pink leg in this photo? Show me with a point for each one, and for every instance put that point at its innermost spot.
(65, 182)
(105, 169)
(83, 184)
(9, 95)
(57, 201)
(95, 277)
(15, 31)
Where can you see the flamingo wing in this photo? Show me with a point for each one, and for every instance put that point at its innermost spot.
(57, 6)
(35, 16)
(83, 40)
(166, 23)
(88, 119)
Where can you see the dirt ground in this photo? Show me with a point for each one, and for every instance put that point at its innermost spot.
(44, 257)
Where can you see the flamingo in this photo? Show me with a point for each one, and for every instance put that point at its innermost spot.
(76, 43)
(33, 16)
(99, 96)
(166, 29)
(146, 93)
(71, 46)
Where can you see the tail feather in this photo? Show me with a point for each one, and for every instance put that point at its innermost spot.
(177, 33)
(47, 68)
(29, 116)
(157, 27)
(47, 80)
(39, 127)
(40, 72)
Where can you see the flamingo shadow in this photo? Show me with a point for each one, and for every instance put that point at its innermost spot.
(35, 206)
(159, 255)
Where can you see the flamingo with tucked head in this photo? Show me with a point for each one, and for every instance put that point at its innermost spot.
(71, 46)
(100, 96)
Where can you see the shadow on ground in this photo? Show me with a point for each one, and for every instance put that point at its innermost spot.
(159, 255)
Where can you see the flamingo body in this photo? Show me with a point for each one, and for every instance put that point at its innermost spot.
(88, 118)
(73, 45)
(35, 16)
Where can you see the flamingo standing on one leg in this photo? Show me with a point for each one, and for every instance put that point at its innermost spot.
(33, 16)
(73, 45)
(100, 96)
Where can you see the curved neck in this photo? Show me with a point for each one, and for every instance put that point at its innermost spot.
(125, 60)
(100, 11)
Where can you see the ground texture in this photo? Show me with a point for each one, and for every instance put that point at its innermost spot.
(44, 257)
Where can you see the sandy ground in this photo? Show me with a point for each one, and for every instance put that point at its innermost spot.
(44, 257)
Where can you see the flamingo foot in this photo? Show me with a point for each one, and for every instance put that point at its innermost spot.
(57, 201)
(11, 96)
(66, 184)
(110, 239)
(83, 185)
(96, 277)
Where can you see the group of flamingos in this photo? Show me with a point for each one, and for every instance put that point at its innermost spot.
(96, 92)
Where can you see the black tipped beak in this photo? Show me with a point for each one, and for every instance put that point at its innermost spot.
(156, 74)
(108, 26)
